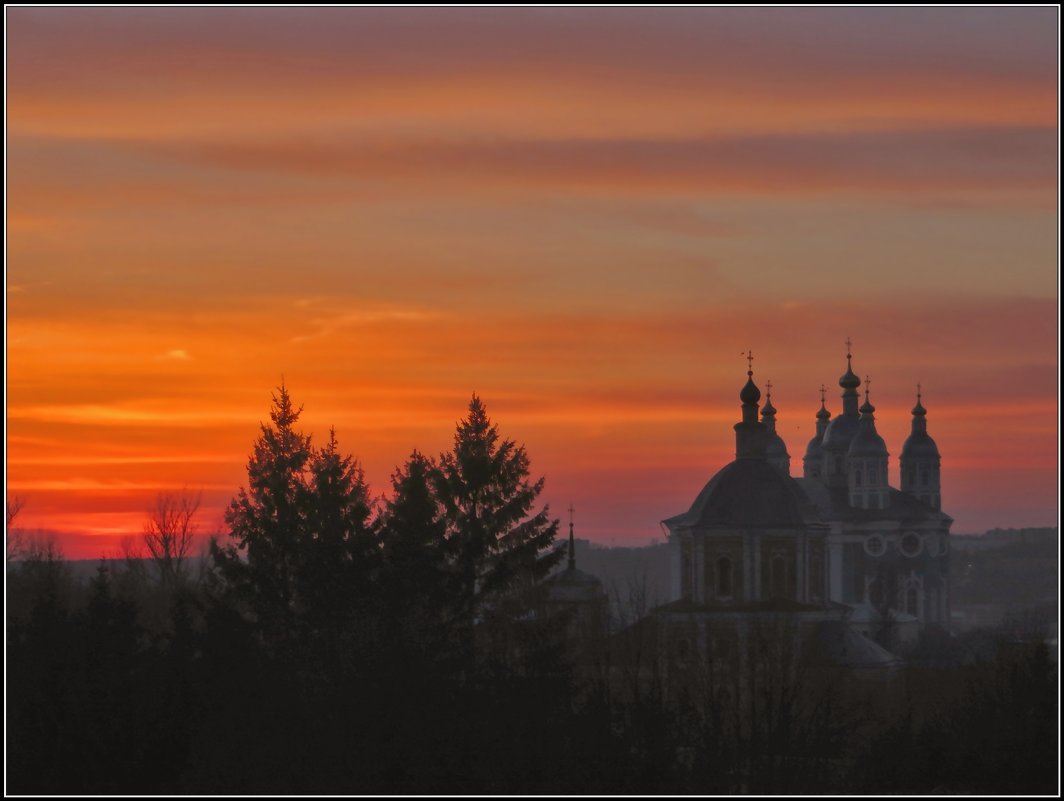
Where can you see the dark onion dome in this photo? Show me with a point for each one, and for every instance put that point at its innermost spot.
(849, 379)
(823, 414)
(750, 394)
(749, 493)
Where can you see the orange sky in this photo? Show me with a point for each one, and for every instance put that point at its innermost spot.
(583, 215)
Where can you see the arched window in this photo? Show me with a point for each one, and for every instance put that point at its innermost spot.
(872, 475)
(857, 477)
(816, 575)
(838, 464)
(923, 478)
(779, 576)
(724, 577)
(910, 601)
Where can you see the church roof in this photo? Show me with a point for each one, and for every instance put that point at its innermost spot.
(776, 605)
(748, 493)
(572, 585)
(840, 432)
(833, 503)
(844, 646)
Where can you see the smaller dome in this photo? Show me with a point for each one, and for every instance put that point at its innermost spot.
(849, 380)
(867, 443)
(776, 447)
(768, 410)
(750, 394)
(840, 432)
(867, 407)
(574, 586)
(918, 409)
(823, 414)
(919, 444)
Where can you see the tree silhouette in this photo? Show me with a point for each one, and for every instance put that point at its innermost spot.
(302, 553)
(338, 558)
(417, 581)
(500, 548)
(168, 532)
(267, 519)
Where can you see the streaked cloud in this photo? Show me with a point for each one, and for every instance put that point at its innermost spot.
(582, 214)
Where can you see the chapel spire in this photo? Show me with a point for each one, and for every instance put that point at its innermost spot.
(920, 460)
(749, 433)
(775, 447)
(813, 461)
(841, 431)
(867, 459)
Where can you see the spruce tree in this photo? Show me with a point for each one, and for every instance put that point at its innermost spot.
(501, 548)
(304, 525)
(417, 584)
(267, 520)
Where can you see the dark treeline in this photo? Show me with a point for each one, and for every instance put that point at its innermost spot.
(337, 643)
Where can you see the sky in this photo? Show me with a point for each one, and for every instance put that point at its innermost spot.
(585, 216)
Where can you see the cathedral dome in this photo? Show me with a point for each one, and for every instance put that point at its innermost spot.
(574, 586)
(849, 379)
(750, 393)
(867, 443)
(749, 493)
(814, 449)
(775, 446)
(919, 444)
(840, 433)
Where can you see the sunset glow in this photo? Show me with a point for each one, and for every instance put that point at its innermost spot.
(584, 216)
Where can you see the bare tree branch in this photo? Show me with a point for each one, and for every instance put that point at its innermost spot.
(16, 540)
(169, 531)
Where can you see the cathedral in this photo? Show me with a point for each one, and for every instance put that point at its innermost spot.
(837, 543)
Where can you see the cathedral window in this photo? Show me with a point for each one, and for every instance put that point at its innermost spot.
(779, 576)
(911, 544)
(871, 475)
(724, 577)
(816, 575)
(923, 478)
(857, 477)
(911, 598)
(685, 568)
(874, 545)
